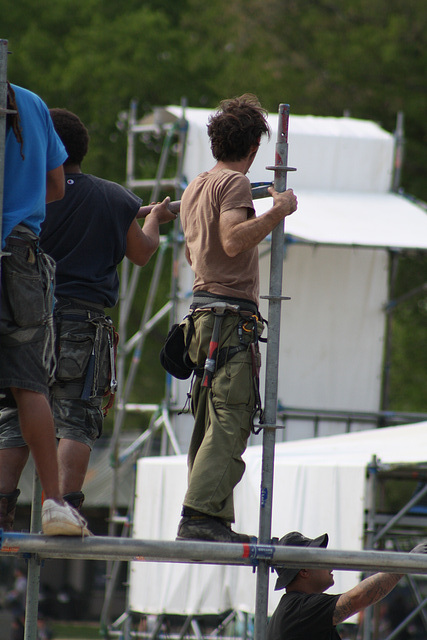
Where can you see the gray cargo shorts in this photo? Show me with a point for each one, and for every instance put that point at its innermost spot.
(84, 338)
(85, 366)
(26, 327)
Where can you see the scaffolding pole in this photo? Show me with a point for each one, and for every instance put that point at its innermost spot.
(128, 287)
(199, 552)
(33, 573)
(272, 367)
(3, 114)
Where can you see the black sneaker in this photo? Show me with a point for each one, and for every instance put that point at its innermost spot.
(206, 527)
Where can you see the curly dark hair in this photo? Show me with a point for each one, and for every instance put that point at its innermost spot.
(73, 134)
(237, 125)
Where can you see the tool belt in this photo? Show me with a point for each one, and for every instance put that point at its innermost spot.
(174, 355)
(86, 352)
(202, 299)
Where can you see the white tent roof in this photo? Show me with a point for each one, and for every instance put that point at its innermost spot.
(380, 220)
(329, 153)
(343, 178)
(319, 486)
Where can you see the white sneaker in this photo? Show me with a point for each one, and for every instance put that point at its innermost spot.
(62, 520)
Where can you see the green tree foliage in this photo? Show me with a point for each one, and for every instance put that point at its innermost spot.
(409, 359)
(93, 57)
(363, 57)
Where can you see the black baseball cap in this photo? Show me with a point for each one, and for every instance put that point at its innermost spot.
(296, 539)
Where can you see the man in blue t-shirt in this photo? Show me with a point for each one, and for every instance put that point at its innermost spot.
(305, 612)
(87, 233)
(33, 176)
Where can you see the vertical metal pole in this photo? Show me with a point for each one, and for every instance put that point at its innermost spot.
(371, 502)
(271, 375)
(388, 340)
(3, 106)
(176, 243)
(130, 156)
(399, 137)
(33, 576)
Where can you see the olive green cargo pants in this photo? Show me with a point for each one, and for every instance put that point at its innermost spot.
(222, 418)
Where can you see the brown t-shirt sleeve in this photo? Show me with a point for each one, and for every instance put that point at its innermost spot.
(236, 194)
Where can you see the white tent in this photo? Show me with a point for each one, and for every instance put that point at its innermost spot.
(336, 265)
(320, 486)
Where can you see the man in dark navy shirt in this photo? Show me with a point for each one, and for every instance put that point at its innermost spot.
(305, 612)
(88, 235)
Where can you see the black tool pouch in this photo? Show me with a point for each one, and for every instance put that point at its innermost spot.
(174, 353)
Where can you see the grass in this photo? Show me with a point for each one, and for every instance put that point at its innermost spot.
(76, 630)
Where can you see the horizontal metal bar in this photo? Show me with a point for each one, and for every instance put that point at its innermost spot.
(154, 127)
(261, 191)
(112, 548)
(416, 521)
(280, 167)
(356, 416)
(132, 407)
(164, 182)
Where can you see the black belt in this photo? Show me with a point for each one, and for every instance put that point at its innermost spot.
(66, 305)
(14, 241)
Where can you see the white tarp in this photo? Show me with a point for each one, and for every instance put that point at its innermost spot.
(344, 173)
(319, 486)
(330, 154)
(331, 334)
(383, 220)
(332, 330)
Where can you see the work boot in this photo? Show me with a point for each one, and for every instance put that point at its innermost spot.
(75, 499)
(7, 509)
(200, 526)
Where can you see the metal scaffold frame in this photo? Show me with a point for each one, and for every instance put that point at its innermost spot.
(160, 420)
(38, 548)
(239, 554)
(114, 549)
(161, 414)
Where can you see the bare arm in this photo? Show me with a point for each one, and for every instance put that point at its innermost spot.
(142, 243)
(55, 184)
(238, 234)
(367, 592)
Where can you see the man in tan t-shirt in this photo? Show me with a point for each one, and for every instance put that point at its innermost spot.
(222, 236)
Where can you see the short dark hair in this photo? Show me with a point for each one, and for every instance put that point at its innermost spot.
(73, 134)
(237, 125)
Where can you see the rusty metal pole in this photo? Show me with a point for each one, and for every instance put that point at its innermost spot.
(271, 374)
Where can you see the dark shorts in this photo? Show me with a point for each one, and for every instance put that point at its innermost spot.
(84, 337)
(82, 377)
(78, 420)
(26, 329)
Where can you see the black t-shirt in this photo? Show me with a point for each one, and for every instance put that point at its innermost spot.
(304, 616)
(85, 233)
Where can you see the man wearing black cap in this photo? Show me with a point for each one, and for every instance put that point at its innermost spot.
(305, 612)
